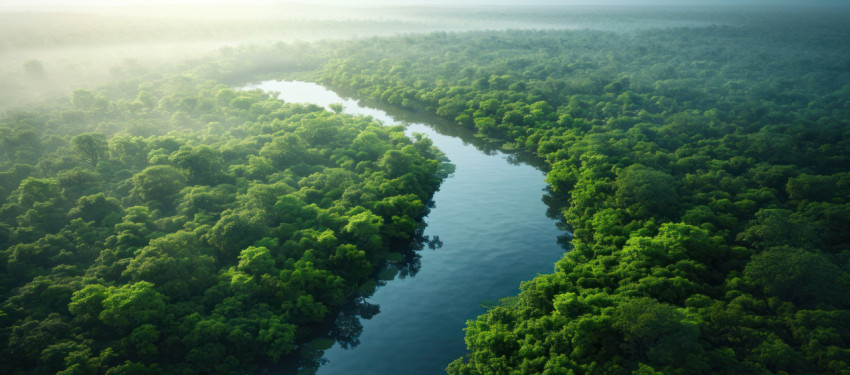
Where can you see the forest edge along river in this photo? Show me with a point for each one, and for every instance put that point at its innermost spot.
(489, 220)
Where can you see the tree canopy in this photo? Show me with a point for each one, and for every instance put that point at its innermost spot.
(216, 242)
(704, 175)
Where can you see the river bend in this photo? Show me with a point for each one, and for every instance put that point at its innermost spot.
(491, 220)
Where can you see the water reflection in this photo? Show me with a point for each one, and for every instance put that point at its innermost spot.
(347, 327)
(496, 228)
(442, 126)
(556, 203)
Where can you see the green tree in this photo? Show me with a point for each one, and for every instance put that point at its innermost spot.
(132, 305)
(659, 334)
(97, 208)
(143, 340)
(256, 261)
(92, 147)
(236, 230)
(159, 183)
(278, 336)
(176, 263)
(803, 277)
(646, 192)
(364, 228)
(203, 163)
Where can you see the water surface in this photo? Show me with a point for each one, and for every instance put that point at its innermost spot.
(491, 220)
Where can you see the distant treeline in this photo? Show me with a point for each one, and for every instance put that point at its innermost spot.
(707, 176)
(48, 51)
(169, 224)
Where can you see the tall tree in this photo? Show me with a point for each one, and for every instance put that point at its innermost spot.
(92, 147)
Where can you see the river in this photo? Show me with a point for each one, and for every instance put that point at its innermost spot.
(491, 220)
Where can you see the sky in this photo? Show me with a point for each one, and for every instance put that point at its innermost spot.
(803, 3)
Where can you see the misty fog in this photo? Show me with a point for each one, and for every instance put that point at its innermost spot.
(47, 51)
(340, 187)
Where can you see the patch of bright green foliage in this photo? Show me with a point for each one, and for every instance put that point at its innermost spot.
(173, 225)
(707, 176)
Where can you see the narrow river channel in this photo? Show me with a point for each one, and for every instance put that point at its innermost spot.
(491, 220)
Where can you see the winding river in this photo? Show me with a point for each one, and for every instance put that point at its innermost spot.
(490, 218)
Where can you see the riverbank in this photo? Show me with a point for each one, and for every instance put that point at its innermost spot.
(491, 221)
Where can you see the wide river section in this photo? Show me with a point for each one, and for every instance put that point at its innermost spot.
(490, 218)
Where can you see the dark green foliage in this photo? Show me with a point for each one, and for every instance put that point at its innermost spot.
(640, 188)
(159, 183)
(806, 278)
(706, 173)
(213, 249)
(705, 168)
(92, 147)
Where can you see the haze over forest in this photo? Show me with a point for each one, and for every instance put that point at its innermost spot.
(80, 43)
(160, 214)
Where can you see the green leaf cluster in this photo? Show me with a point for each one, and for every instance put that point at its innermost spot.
(176, 225)
(704, 171)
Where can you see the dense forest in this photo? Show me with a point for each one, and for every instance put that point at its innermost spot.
(707, 176)
(167, 222)
(175, 225)
(46, 53)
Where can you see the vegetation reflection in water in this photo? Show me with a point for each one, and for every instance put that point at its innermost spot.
(420, 325)
(707, 176)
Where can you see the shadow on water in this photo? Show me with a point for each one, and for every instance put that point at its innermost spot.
(555, 202)
(345, 327)
(346, 324)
